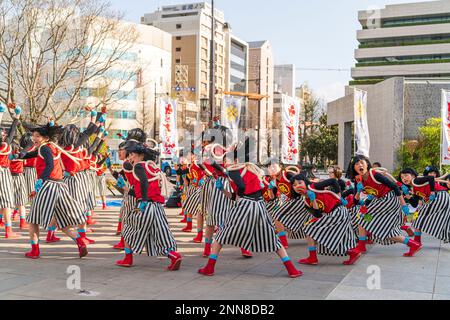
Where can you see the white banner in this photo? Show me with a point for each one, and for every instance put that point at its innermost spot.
(168, 128)
(362, 136)
(231, 114)
(290, 114)
(445, 145)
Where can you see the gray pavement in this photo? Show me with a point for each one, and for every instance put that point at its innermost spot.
(426, 276)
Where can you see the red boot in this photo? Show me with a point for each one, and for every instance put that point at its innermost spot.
(188, 228)
(408, 230)
(90, 221)
(207, 250)
(292, 270)
(2, 224)
(34, 253)
(199, 237)
(181, 213)
(127, 262)
(175, 261)
(9, 234)
(246, 254)
(354, 255)
(361, 247)
(418, 237)
(414, 247)
(23, 224)
(51, 238)
(14, 214)
(119, 228)
(311, 260)
(85, 239)
(104, 206)
(120, 245)
(369, 238)
(184, 220)
(82, 249)
(284, 241)
(208, 270)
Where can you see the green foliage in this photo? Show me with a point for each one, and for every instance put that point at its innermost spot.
(426, 150)
(322, 145)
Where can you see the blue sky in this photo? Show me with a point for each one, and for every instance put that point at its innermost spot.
(319, 34)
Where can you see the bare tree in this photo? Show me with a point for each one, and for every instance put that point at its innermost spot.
(56, 53)
(144, 118)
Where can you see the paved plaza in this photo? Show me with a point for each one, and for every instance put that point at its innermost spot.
(426, 276)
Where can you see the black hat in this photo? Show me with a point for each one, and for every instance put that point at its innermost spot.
(138, 135)
(139, 148)
(48, 130)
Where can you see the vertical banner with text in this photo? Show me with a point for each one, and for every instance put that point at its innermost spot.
(445, 145)
(290, 114)
(168, 128)
(362, 137)
(231, 112)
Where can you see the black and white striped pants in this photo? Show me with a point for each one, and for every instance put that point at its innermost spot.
(248, 225)
(149, 230)
(128, 205)
(77, 186)
(30, 175)
(101, 185)
(333, 233)
(218, 205)
(54, 201)
(6, 189)
(387, 219)
(293, 214)
(192, 204)
(20, 190)
(434, 217)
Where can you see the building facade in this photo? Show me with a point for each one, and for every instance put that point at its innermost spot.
(284, 79)
(411, 40)
(261, 81)
(190, 27)
(144, 76)
(237, 73)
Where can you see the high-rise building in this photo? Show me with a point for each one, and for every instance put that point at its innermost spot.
(237, 73)
(190, 27)
(411, 39)
(261, 81)
(284, 77)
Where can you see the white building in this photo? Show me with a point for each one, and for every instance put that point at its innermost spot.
(147, 70)
(411, 39)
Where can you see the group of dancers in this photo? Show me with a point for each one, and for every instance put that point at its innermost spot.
(233, 201)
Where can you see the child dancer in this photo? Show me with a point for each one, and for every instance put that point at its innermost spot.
(53, 200)
(6, 181)
(381, 214)
(248, 224)
(434, 207)
(147, 226)
(330, 232)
